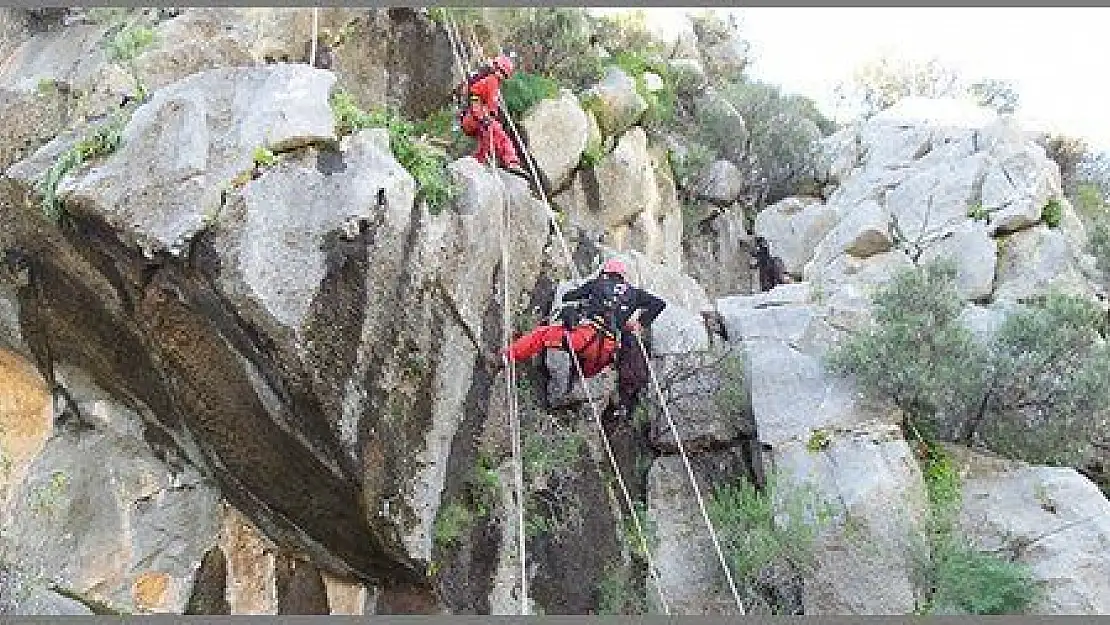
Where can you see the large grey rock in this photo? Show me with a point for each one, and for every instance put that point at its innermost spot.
(1034, 262)
(22, 596)
(783, 322)
(717, 254)
(793, 394)
(839, 155)
(868, 477)
(1017, 186)
(476, 189)
(202, 39)
(793, 227)
(557, 131)
(975, 255)
(185, 144)
(614, 101)
(869, 273)
(619, 188)
(657, 230)
(793, 293)
(893, 146)
(40, 82)
(689, 571)
(868, 184)
(863, 230)
(933, 200)
(707, 400)
(263, 216)
(1052, 519)
(722, 183)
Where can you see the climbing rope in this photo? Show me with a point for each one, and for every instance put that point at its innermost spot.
(315, 29)
(690, 473)
(510, 383)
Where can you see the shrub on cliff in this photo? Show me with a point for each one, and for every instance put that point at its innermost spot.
(1034, 392)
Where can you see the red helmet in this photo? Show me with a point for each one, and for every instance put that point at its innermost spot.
(503, 64)
(615, 265)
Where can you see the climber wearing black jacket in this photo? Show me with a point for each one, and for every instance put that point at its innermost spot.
(596, 329)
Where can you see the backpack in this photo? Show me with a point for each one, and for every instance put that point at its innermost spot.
(605, 303)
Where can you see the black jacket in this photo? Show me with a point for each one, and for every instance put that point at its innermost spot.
(629, 299)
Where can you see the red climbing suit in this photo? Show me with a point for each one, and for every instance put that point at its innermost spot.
(595, 349)
(480, 121)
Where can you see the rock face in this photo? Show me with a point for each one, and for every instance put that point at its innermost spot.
(557, 133)
(793, 227)
(627, 202)
(614, 102)
(1050, 518)
(258, 353)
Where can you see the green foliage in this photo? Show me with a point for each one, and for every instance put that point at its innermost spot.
(973, 582)
(524, 90)
(553, 451)
(1000, 95)
(124, 47)
(942, 480)
(616, 594)
(661, 102)
(956, 578)
(485, 484)
(782, 131)
(1089, 201)
(767, 534)
(1098, 244)
(101, 141)
(1033, 393)
(917, 355)
(1052, 213)
(978, 213)
(879, 83)
(554, 42)
(409, 144)
(1048, 378)
(263, 157)
(819, 440)
(592, 155)
(687, 164)
(451, 523)
(632, 537)
(46, 87)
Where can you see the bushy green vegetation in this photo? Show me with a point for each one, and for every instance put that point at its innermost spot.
(782, 132)
(616, 594)
(451, 523)
(523, 90)
(100, 141)
(768, 537)
(1052, 213)
(1034, 392)
(410, 145)
(953, 576)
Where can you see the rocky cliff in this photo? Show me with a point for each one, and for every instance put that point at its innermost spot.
(244, 385)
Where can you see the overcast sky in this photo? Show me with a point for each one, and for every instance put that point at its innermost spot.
(1057, 57)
